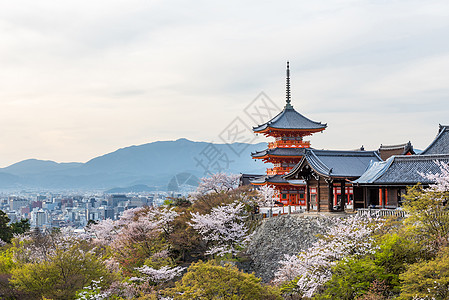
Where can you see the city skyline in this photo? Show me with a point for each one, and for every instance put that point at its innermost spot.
(82, 79)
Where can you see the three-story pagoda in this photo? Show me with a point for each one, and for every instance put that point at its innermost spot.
(288, 129)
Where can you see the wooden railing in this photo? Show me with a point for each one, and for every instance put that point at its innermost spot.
(281, 210)
(278, 170)
(380, 212)
(289, 144)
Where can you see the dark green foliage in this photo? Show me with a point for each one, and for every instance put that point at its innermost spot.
(429, 217)
(8, 230)
(396, 252)
(91, 222)
(5, 229)
(427, 279)
(355, 277)
(352, 278)
(21, 226)
(182, 201)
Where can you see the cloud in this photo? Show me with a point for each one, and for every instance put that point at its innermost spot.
(81, 78)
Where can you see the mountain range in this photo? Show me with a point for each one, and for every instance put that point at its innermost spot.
(153, 165)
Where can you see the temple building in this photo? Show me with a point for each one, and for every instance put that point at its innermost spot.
(337, 180)
(440, 144)
(384, 183)
(288, 129)
(328, 175)
(387, 151)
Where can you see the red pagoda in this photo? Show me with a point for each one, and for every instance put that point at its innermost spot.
(288, 128)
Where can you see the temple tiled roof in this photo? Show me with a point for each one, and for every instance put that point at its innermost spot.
(279, 152)
(339, 164)
(402, 170)
(269, 179)
(387, 151)
(289, 118)
(245, 179)
(440, 144)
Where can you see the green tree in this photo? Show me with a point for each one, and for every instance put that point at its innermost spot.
(61, 274)
(427, 279)
(354, 277)
(207, 280)
(5, 229)
(21, 226)
(394, 253)
(351, 278)
(6, 265)
(6, 261)
(429, 216)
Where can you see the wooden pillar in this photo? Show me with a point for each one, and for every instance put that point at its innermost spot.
(331, 195)
(365, 197)
(380, 197)
(318, 196)
(343, 195)
(308, 195)
(386, 196)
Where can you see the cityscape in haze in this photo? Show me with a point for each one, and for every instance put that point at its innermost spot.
(53, 195)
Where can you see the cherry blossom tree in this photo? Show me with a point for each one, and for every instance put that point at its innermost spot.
(160, 275)
(138, 235)
(147, 224)
(428, 210)
(441, 178)
(105, 231)
(36, 247)
(266, 196)
(136, 224)
(438, 192)
(217, 183)
(223, 228)
(61, 264)
(312, 268)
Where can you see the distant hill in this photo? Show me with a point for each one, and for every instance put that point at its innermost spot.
(153, 164)
(31, 166)
(132, 189)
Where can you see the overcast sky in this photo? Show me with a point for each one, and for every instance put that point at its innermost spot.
(80, 79)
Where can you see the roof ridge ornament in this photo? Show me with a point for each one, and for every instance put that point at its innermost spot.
(288, 105)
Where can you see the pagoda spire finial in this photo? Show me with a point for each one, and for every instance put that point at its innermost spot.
(288, 105)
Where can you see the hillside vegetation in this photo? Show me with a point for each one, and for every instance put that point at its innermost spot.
(196, 248)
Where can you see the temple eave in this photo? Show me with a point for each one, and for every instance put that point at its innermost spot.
(297, 131)
(267, 157)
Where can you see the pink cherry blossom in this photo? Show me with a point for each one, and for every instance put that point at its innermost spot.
(218, 182)
(223, 228)
(266, 196)
(440, 179)
(162, 274)
(348, 236)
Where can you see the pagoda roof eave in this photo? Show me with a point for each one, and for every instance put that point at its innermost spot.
(270, 179)
(290, 119)
(279, 153)
(276, 156)
(304, 131)
(296, 182)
